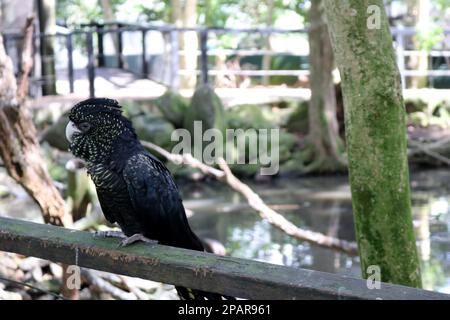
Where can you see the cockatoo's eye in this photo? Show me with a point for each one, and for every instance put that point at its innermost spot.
(84, 126)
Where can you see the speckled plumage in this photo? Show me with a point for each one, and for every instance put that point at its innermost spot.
(134, 188)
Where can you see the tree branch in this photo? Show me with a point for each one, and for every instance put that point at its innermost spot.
(27, 59)
(266, 213)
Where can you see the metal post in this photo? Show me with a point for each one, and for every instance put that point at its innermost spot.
(144, 55)
(69, 43)
(204, 55)
(101, 54)
(90, 65)
(120, 47)
(174, 60)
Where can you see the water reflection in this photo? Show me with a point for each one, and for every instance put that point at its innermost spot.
(321, 204)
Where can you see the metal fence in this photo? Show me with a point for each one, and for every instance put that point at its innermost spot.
(90, 38)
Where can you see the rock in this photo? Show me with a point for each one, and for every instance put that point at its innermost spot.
(8, 295)
(287, 144)
(55, 135)
(4, 192)
(85, 294)
(31, 263)
(298, 121)
(250, 117)
(154, 129)
(56, 270)
(173, 107)
(206, 107)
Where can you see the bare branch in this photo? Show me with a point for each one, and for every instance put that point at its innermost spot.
(27, 59)
(257, 203)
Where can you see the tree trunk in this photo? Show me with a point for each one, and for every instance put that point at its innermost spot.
(376, 139)
(267, 57)
(420, 62)
(189, 44)
(176, 13)
(47, 25)
(323, 125)
(108, 16)
(19, 147)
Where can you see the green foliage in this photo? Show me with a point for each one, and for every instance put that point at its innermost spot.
(155, 10)
(74, 12)
(429, 37)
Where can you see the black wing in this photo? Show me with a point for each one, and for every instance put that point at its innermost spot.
(157, 203)
(108, 207)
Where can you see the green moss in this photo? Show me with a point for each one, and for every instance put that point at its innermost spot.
(298, 121)
(173, 107)
(376, 140)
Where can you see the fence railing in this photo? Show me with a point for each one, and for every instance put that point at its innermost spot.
(94, 34)
(225, 275)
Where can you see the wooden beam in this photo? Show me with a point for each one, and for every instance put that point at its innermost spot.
(198, 270)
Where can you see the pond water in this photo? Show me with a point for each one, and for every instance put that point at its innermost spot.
(321, 204)
(317, 203)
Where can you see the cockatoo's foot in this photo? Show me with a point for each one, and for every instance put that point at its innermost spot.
(135, 238)
(110, 234)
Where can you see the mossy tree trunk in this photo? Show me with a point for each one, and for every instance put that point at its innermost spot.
(325, 146)
(19, 147)
(376, 139)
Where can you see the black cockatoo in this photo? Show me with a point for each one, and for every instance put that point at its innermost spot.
(134, 188)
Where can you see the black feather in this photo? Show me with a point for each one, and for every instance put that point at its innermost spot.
(134, 188)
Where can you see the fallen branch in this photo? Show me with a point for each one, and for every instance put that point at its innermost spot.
(24, 284)
(104, 286)
(257, 203)
(141, 295)
(435, 145)
(428, 150)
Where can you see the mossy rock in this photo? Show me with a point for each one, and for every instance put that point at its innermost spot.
(173, 107)
(154, 129)
(294, 165)
(298, 121)
(134, 108)
(288, 144)
(4, 192)
(245, 170)
(250, 117)
(206, 107)
(55, 135)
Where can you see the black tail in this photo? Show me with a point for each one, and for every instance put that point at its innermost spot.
(192, 294)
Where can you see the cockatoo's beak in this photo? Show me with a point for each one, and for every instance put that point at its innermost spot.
(71, 129)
